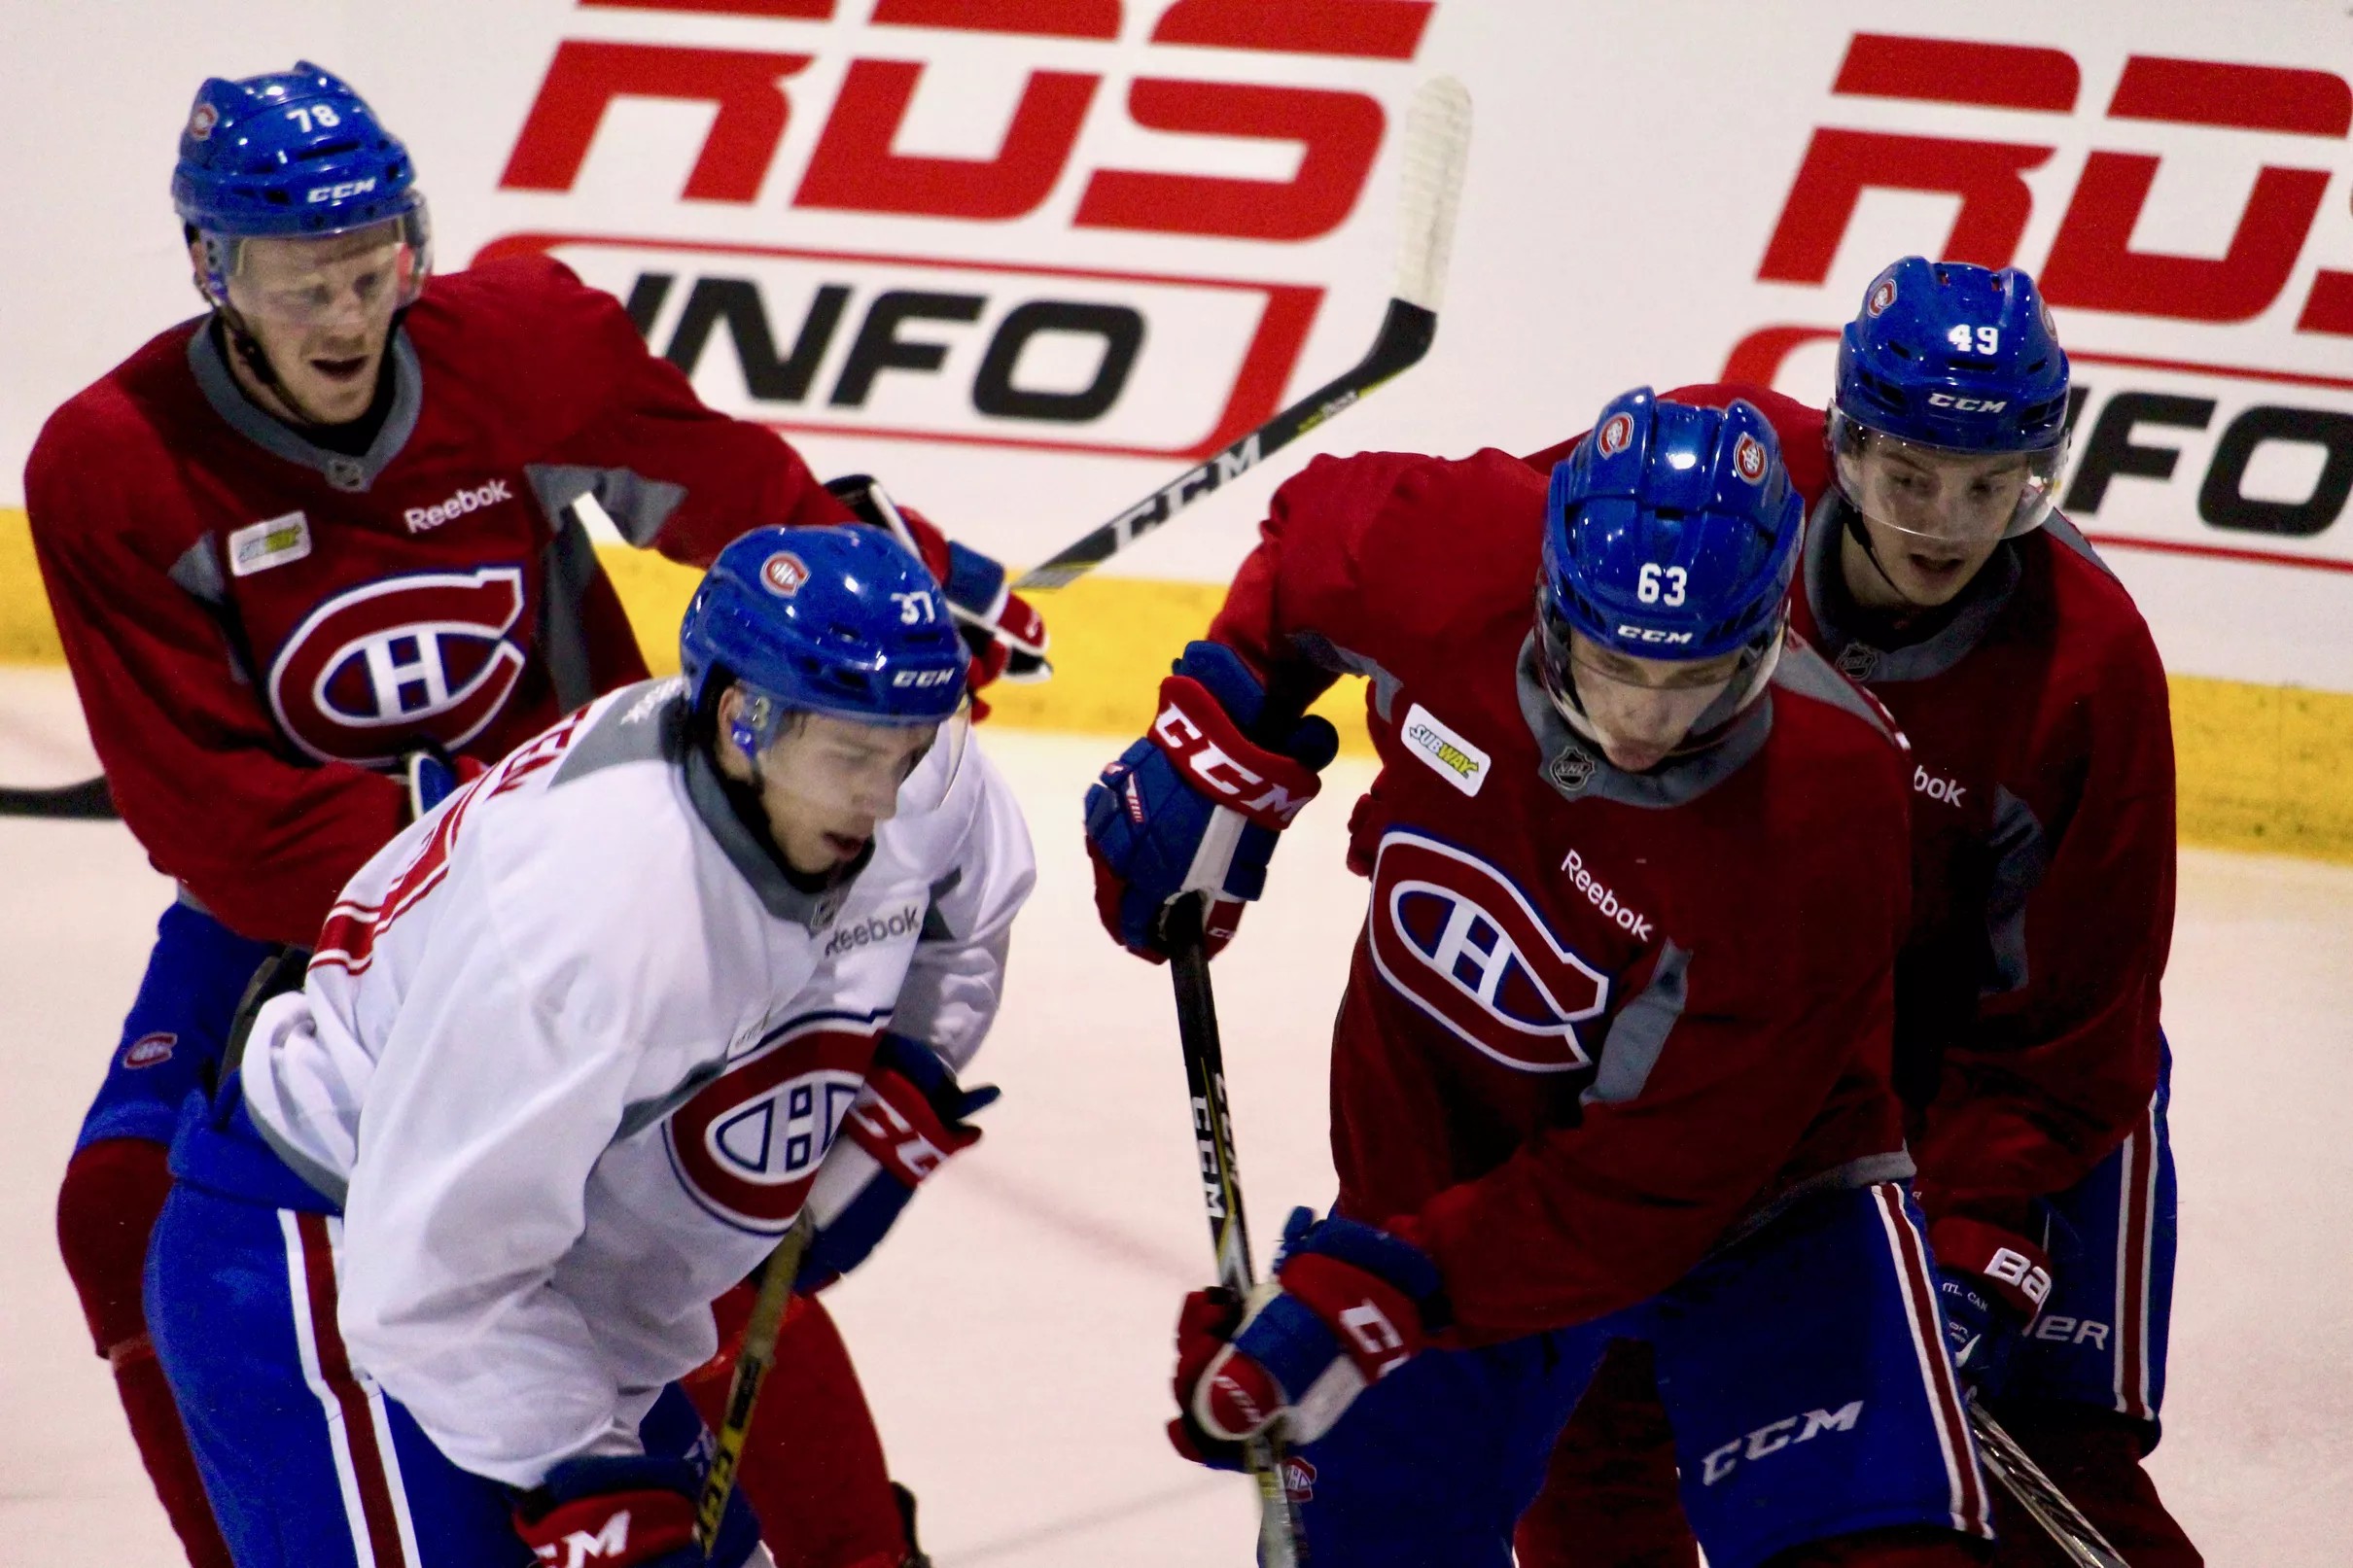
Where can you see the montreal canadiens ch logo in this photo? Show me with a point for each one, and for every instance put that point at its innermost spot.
(783, 573)
(1617, 434)
(748, 1144)
(431, 654)
(1455, 937)
(1748, 459)
(1881, 297)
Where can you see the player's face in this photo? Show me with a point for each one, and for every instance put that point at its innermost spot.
(828, 784)
(1641, 709)
(322, 310)
(1934, 516)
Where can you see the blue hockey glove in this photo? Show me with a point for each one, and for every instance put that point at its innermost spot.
(910, 1117)
(1195, 805)
(1354, 1303)
(617, 1513)
(1991, 1284)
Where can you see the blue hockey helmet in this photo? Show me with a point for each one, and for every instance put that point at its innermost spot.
(1953, 370)
(293, 155)
(842, 621)
(1671, 534)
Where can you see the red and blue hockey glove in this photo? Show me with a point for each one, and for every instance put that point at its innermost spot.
(1195, 805)
(1356, 1303)
(1993, 1284)
(1004, 634)
(909, 1120)
(619, 1512)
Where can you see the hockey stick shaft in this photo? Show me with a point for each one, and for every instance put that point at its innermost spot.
(2078, 1538)
(1280, 1544)
(86, 801)
(1436, 147)
(751, 1367)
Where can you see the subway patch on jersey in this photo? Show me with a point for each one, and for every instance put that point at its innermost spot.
(1457, 938)
(271, 541)
(1449, 755)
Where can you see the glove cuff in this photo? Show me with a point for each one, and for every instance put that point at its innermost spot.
(2013, 1268)
(1214, 757)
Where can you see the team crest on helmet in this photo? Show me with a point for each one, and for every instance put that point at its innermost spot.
(783, 573)
(203, 120)
(1454, 936)
(1616, 434)
(1748, 459)
(150, 1050)
(1881, 297)
(749, 1143)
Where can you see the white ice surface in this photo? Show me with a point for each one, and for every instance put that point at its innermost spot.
(1014, 1333)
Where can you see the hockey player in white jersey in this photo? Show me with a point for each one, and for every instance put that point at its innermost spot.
(572, 1055)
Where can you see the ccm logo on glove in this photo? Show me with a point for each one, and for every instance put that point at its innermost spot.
(1200, 738)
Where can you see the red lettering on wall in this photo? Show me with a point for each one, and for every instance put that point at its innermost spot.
(2245, 97)
(2330, 307)
(2093, 263)
(855, 170)
(817, 9)
(1842, 164)
(1341, 132)
(1045, 19)
(1947, 70)
(585, 77)
(1367, 29)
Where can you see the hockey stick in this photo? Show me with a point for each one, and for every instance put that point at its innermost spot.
(2076, 1537)
(751, 1366)
(1280, 1542)
(86, 801)
(1437, 144)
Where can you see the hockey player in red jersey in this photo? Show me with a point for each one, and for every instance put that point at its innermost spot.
(1612, 1059)
(312, 558)
(2028, 1041)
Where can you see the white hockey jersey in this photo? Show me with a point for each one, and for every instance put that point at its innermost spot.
(572, 1050)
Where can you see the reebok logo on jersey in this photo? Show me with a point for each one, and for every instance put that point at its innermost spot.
(1452, 757)
(876, 928)
(421, 519)
(1948, 791)
(1637, 927)
(271, 541)
(1774, 1436)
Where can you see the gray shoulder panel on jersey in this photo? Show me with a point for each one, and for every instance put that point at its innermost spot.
(353, 474)
(1980, 603)
(639, 1115)
(1579, 772)
(197, 573)
(1638, 1035)
(639, 506)
(2022, 853)
(935, 926)
(1323, 653)
(645, 723)
(571, 571)
(1807, 673)
(2066, 532)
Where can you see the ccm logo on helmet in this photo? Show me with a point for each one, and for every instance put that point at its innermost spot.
(1651, 634)
(1968, 405)
(920, 678)
(342, 190)
(1458, 940)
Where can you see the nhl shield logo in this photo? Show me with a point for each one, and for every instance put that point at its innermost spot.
(1573, 770)
(1457, 938)
(1858, 661)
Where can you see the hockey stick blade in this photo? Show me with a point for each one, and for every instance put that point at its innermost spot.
(1436, 149)
(86, 802)
(2078, 1538)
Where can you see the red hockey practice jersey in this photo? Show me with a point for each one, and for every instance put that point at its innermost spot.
(1597, 1022)
(255, 622)
(2044, 849)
